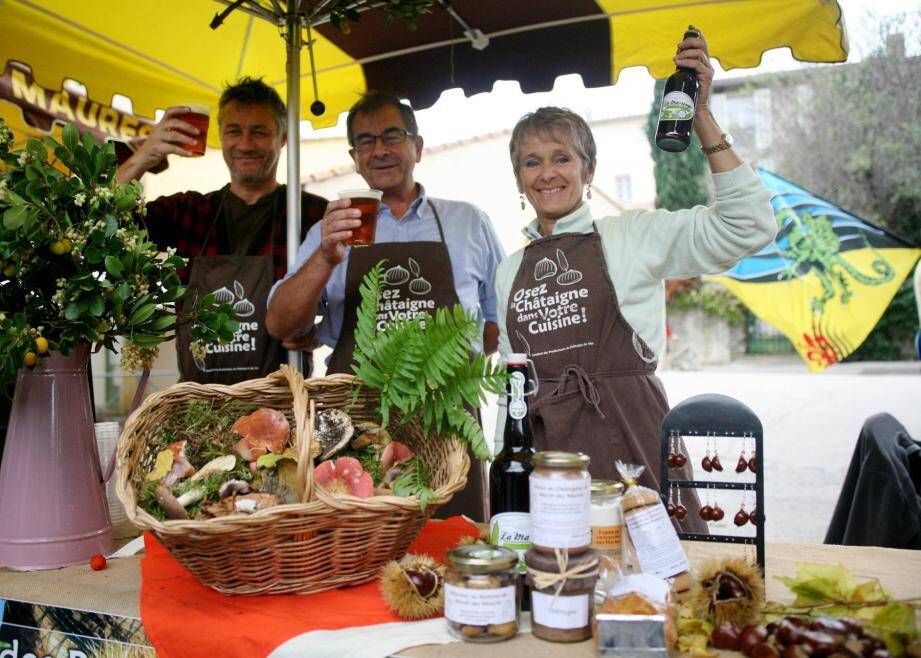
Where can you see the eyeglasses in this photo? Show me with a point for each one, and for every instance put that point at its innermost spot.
(390, 137)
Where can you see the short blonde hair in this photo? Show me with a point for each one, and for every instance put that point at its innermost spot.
(555, 122)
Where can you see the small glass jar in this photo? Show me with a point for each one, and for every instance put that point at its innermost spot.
(607, 519)
(562, 613)
(560, 502)
(481, 593)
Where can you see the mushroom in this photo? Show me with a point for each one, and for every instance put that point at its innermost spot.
(368, 434)
(181, 467)
(344, 476)
(332, 431)
(191, 496)
(264, 430)
(395, 453)
(254, 502)
(166, 500)
(232, 487)
(223, 464)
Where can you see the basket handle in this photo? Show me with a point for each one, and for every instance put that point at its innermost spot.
(303, 429)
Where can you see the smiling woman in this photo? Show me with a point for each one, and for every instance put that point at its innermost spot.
(585, 299)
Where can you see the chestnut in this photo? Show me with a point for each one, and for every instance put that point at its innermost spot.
(750, 637)
(853, 627)
(765, 650)
(820, 643)
(829, 625)
(870, 645)
(795, 651)
(772, 629)
(725, 637)
(788, 631)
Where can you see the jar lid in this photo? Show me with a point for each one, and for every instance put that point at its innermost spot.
(548, 563)
(481, 558)
(557, 459)
(607, 487)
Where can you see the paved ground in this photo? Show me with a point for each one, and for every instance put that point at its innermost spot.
(811, 424)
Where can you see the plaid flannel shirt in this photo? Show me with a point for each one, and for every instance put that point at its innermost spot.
(182, 220)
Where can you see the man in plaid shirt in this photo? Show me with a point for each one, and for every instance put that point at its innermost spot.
(235, 237)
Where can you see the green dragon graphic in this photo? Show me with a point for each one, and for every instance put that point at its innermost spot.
(814, 246)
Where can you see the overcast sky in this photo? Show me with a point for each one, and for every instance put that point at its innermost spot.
(455, 117)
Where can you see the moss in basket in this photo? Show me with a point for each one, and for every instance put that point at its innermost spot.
(206, 425)
(425, 367)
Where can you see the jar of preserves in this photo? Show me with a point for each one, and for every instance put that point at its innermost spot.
(560, 502)
(562, 594)
(606, 516)
(481, 593)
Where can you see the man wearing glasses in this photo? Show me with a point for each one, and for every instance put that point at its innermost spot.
(439, 253)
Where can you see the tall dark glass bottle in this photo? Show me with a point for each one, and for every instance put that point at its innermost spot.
(509, 501)
(679, 101)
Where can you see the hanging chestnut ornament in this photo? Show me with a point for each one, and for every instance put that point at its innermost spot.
(742, 464)
(670, 508)
(741, 517)
(706, 464)
(706, 513)
(715, 463)
(680, 460)
(753, 464)
(717, 514)
(753, 516)
(680, 511)
(672, 460)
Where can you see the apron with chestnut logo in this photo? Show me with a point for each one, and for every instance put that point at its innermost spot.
(599, 393)
(243, 281)
(419, 279)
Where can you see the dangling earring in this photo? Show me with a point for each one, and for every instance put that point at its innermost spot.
(742, 464)
(670, 506)
(588, 190)
(706, 512)
(522, 201)
(706, 463)
(741, 517)
(717, 514)
(680, 510)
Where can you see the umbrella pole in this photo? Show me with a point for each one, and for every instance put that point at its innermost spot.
(293, 46)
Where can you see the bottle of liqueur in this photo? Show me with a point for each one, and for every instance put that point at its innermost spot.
(509, 523)
(679, 101)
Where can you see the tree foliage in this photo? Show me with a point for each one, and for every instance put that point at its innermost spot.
(851, 134)
(681, 178)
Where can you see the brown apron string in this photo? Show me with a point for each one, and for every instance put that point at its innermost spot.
(584, 382)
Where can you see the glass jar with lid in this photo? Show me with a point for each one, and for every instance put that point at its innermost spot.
(560, 502)
(607, 519)
(481, 593)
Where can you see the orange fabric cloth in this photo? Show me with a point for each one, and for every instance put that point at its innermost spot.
(183, 618)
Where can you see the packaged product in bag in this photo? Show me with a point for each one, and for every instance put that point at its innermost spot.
(651, 538)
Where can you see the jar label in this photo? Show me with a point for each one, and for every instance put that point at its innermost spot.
(656, 542)
(480, 607)
(512, 530)
(676, 106)
(607, 539)
(564, 612)
(560, 510)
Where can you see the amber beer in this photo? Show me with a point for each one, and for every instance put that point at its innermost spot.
(199, 116)
(369, 203)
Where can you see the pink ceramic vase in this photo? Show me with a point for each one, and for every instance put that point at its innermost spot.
(53, 510)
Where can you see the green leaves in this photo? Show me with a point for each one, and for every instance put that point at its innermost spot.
(425, 367)
(415, 480)
(14, 217)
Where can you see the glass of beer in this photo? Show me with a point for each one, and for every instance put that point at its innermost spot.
(198, 116)
(369, 203)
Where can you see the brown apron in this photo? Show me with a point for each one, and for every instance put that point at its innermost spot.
(599, 393)
(243, 281)
(419, 279)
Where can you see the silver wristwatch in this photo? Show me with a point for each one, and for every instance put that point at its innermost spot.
(724, 143)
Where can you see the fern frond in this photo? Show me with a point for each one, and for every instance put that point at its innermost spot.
(366, 321)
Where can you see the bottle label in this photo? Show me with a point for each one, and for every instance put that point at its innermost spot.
(560, 511)
(565, 612)
(480, 607)
(676, 106)
(656, 542)
(517, 408)
(512, 530)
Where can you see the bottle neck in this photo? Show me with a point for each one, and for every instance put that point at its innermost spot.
(517, 421)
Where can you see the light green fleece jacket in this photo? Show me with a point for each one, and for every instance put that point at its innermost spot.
(643, 248)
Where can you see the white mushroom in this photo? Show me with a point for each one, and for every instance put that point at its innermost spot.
(223, 464)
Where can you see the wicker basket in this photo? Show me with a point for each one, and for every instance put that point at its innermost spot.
(322, 543)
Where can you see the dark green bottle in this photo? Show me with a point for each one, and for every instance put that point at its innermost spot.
(679, 101)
